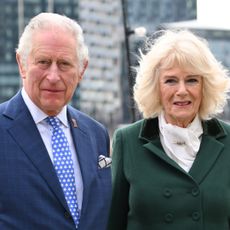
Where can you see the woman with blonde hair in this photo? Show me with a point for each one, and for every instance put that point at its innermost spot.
(171, 170)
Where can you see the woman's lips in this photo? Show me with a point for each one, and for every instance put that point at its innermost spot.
(182, 103)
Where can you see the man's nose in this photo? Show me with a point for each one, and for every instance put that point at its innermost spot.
(53, 73)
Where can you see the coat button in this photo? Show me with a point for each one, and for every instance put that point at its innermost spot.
(168, 217)
(67, 215)
(167, 192)
(195, 191)
(195, 216)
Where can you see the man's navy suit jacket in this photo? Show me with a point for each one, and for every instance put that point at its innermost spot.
(30, 194)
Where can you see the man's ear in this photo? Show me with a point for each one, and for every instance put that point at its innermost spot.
(21, 67)
(85, 65)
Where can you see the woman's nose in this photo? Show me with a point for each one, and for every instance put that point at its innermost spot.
(182, 89)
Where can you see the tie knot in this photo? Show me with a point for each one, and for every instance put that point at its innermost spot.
(53, 121)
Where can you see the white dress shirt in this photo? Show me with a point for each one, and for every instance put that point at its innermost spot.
(46, 132)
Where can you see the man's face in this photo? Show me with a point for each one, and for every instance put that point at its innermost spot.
(52, 72)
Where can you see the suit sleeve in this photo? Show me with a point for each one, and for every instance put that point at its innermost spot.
(120, 192)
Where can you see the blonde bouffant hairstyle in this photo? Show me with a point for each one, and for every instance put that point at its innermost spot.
(183, 49)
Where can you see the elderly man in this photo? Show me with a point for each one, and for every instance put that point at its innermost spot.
(50, 172)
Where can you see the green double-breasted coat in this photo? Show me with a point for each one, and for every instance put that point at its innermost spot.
(151, 192)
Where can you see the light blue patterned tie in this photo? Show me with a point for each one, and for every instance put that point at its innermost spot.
(63, 164)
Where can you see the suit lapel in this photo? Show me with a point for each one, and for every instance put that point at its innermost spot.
(26, 134)
(85, 153)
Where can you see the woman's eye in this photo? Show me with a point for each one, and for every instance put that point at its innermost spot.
(170, 81)
(192, 80)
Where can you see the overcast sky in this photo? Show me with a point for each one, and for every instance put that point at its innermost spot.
(214, 11)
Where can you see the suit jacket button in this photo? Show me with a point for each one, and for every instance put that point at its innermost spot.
(67, 215)
(168, 217)
(167, 192)
(195, 216)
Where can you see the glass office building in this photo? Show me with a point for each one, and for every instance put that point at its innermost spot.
(14, 14)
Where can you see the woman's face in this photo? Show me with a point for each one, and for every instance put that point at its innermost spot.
(180, 95)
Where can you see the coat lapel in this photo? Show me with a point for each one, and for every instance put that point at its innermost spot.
(210, 150)
(156, 148)
(150, 134)
(208, 154)
(85, 153)
(24, 131)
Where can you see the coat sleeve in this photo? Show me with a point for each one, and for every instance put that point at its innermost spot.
(120, 192)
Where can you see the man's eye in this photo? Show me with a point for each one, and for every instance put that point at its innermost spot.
(43, 62)
(64, 65)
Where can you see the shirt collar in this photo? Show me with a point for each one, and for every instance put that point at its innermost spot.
(38, 115)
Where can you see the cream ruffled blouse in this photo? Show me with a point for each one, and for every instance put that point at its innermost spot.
(181, 144)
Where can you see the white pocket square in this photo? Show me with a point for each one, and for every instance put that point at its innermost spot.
(104, 162)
